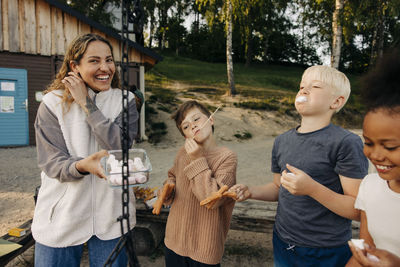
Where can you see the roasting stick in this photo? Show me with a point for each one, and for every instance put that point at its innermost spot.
(210, 201)
(166, 191)
(204, 124)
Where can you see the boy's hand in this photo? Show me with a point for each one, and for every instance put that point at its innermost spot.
(242, 192)
(193, 149)
(92, 164)
(297, 182)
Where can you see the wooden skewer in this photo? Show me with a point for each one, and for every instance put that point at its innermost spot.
(231, 195)
(204, 124)
(166, 191)
(210, 201)
(214, 196)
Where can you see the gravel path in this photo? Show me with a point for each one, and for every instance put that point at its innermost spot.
(19, 176)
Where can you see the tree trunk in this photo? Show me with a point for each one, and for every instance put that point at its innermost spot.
(229, 62)
(337, 34)
(249, 48)
(266, 46)
(378, 34)
(151, 34)
(373, 46)
(381, 28)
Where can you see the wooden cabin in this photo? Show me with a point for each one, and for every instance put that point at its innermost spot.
(34, 35)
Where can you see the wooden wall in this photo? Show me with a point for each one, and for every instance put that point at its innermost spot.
(37, 28)
(40, 71)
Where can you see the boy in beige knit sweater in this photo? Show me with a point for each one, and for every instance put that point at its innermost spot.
(195, 235)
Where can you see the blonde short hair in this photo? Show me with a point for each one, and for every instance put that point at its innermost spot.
(335, 79)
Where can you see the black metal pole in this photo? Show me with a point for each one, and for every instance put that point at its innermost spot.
(127, 235)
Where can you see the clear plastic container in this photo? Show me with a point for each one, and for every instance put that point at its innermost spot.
(139, 167)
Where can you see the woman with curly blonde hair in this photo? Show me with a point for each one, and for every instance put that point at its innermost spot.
(79, 118)
(74, 54)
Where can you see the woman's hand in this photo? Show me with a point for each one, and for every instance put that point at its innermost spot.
(92, 164)
(297, 182)
(193, 149)
(77, 88)
(242, 192)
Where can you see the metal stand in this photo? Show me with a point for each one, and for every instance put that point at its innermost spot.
(127, 237)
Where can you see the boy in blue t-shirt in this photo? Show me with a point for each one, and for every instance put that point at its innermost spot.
(317, 170)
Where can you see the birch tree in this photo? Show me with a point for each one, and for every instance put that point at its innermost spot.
(229, 61)
(225, 10)
(337, 32)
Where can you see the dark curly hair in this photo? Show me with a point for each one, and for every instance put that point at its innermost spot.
(381, 85)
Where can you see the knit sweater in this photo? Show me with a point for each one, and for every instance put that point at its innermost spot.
(193, 230)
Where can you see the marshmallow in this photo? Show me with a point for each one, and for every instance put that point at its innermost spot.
(359, 243)
(372, 257)
(301, 99)
(136, 171)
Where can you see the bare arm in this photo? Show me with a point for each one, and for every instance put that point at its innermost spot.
(267, 192)
(364, 233)
(341, 204)
(300, 183)
(359, 258)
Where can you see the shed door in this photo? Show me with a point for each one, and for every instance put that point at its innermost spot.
(14, 128)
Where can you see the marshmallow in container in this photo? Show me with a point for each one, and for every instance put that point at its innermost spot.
(135, 166)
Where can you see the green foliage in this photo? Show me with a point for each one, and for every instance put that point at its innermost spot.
(264, 87)
(95, 9)
(205, 43)
(243, 136)
(158, 126)
(161, 95)
(156, 130)
(195, 72)
(264, 105)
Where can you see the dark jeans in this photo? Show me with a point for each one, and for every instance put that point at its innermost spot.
(174, 260)
(287, 255)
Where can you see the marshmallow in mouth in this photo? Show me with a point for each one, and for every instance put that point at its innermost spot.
(301, 99)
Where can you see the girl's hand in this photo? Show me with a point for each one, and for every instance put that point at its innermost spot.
(386, 259)
(363, 257)
(92, 164)
(297, 182)
(242, 192)
(193, 149)
(77, 88)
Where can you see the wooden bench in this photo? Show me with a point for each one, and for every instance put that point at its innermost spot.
(250, 215)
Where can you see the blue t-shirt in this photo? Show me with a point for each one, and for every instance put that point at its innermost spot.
(322, 154)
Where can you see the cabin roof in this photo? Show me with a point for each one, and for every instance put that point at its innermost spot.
(107, 30)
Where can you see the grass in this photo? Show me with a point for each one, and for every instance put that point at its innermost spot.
(264, 87)
(197, 72)
(243, 136)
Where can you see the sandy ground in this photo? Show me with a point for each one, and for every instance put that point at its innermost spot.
(19, 176)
